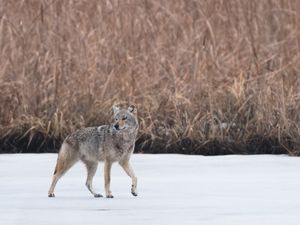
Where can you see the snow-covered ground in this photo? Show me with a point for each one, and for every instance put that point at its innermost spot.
(173, 189)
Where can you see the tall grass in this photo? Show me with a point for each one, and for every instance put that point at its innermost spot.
(208, 77)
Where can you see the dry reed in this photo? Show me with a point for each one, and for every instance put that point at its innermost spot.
(208, 77)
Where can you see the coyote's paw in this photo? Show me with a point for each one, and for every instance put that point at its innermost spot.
(133, 191)
(98, 195)
(109, 196)
(52, 195)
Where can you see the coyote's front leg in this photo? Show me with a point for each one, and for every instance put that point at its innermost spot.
(107, 169)
(128, 169)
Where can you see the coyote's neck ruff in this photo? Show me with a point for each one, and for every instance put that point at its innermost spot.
(122, 141)
(108, 143)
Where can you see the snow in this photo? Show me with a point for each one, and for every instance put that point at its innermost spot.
(173, 189)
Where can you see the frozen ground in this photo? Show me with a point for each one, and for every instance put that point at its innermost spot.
(173, 189)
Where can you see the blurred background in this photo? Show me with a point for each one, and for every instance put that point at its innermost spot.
(208, 77)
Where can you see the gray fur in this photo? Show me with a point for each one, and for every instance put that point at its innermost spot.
(108, 143)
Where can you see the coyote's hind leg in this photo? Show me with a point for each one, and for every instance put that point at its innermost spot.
(91, 170)
(66, 159)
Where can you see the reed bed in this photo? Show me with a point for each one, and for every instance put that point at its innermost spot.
(208, 77)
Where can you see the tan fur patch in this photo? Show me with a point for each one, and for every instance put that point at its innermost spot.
(122, 123)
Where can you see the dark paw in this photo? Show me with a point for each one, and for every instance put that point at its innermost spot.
(98, 195)
(52, 195)
(134, 193)
(109, 196)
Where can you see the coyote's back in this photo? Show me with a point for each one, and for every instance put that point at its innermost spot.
(108, 143)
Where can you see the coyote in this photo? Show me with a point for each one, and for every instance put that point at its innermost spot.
(108, 143)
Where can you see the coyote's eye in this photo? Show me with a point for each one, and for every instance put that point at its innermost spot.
(124, 118)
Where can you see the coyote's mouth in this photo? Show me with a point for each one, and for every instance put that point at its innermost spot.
(117, 128)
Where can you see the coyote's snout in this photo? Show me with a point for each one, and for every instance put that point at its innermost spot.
(108, 143)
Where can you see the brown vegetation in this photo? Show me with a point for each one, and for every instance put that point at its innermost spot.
(208, 77)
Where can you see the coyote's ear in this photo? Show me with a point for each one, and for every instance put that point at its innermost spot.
(132, 109)
(116, 109)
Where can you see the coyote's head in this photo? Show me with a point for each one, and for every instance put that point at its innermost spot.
(125, 118)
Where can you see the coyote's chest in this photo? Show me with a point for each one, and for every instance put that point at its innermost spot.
(123, 144)
(115, 145)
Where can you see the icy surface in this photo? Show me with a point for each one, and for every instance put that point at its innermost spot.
(173, 189)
